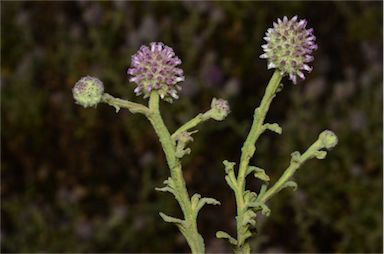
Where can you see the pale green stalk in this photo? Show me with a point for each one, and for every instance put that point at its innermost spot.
(249, 148)
(189, 227)
(248, 202)
(174, 149)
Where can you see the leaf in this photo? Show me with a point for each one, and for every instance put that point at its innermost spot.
(261, 206)
(169, 187)
(258, 173)
(273, 127)
(197, 202)
(250, 196)
(295, 157)
(171, 219)
(224, 235)
(320, 154)
(290, 184)
(230, 177)
(231, 182)
(229, 166)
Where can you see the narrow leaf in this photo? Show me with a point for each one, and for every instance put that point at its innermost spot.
(224, 235)
(273, 127)
(171, 219)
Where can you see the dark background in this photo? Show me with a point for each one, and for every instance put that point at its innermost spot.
(82, 180)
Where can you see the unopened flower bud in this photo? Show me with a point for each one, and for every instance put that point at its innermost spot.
(328, 138)
(88, 91)
(219, 109)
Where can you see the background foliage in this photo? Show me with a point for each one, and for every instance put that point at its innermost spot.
(82, 180)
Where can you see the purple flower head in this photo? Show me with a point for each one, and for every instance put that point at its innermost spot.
(289, 47)
(154, 69)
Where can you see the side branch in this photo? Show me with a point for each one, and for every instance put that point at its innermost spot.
(202, 117)
(120, 103)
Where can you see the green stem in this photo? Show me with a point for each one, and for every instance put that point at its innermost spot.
(192, 123)
(119, 103)
(248, 148)
(293, 166)
(194, 239)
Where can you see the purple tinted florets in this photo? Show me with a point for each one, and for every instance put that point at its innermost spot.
(154, 69)
(289, 47)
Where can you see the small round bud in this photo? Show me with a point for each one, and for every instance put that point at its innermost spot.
(88, 91)
(219, 109)
(328, 138)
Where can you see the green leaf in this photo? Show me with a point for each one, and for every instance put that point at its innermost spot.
(261, 206)
(230, 177)
(224, 235)
(171, 219)
(250, 196)
(295, 157)
(229, 166)
(320, 154)
(231, 182)
(289, 184)
(169, 187)
(258, 173)
(273, 127)
(197, 202)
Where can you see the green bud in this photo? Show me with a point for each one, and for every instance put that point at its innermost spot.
(219, 109)
(329, 139)
(88, 91)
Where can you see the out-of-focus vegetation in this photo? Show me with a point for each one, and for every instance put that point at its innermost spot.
(82, 180)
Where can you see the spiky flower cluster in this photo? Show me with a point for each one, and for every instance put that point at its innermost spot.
(88, 91)
(154, 68)
(289, 47)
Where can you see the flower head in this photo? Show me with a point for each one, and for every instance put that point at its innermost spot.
(154, 69)
(88, 91)
(289, 47)
(219, 109)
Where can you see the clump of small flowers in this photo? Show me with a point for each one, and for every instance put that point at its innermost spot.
(155, 68)
(88, 91)
(289, 47)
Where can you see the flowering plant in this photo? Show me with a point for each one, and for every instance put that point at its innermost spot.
(289, 50)
(155, 71)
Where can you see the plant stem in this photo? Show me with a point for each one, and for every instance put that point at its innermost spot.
(191, 234)
(293, 166)
(119, 103)
(192, 123)
(248, 148)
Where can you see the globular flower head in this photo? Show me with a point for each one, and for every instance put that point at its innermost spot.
(88, 91)
(154, 68)
(289, 47)
(219, 109)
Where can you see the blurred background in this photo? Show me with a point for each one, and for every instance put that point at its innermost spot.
(82, 180)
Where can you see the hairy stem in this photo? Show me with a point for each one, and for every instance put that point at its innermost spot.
(119, 103)
(194, 239)
(293, 166)
(192, 123)
(248, 149)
